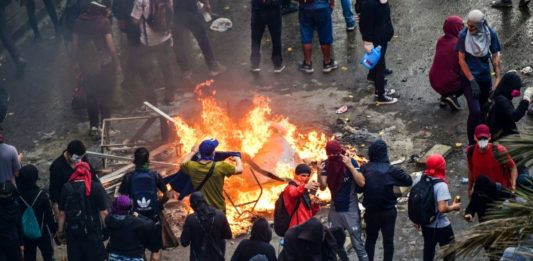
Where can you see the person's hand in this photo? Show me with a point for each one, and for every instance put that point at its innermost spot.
(316, 201)
(456, 206)
(368, 46)
(469, 193)
(528, 94)
(195, 148)
(207, 8)
(322, 165)
(475, 88)
(496, 83)
(469, 218)
(135, 214)
(312, 185)
(357, 18)
(416, 226)
(346, 160)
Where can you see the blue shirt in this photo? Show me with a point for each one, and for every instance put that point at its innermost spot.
(441, 193)
(346, 198)
(317, 4)
(479, 66)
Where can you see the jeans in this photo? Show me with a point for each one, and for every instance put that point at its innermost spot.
(377, 74)
(44, 244)
(85, 249)
(99, 88)
(475, 106)
(160, 54)
(30, 8)
(194, 22)
(432, 236)
(5, 36)
(260, 19)
(315, 19)
(348, 13)
(10, 253)
(385, 221)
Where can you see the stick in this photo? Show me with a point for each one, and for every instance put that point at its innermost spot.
(115, 157)
(160, 112)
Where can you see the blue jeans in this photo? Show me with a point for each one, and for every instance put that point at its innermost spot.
(316, 19)
(348, 13)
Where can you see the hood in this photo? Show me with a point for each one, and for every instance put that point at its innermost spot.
(509, 82)
(261, 231)
(312, 231)
(377, 152)
(452, 26)
(27, 178)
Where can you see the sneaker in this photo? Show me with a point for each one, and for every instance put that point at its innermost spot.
(442, 102)
(278, 69)
(388, 92)
(501, 4)
(255, 69)
(351, 28)
(328, 67)
(387, 72)
(94, 131)
(453, 102)
(524, 3)
(386, 100)
(219, 68)
(20, 66)
(306, 68)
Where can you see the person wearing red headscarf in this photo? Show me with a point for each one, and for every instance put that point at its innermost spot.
(440, 230)
(341, 175)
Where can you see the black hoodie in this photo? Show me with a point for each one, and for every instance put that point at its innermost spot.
(310, 241)
(375, 24)
(128, 235)
(258, 244)
(504, 116)
(380, 178)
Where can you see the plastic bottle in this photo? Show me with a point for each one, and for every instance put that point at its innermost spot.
(369, 60)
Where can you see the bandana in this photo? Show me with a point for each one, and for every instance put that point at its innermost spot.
(82, 171)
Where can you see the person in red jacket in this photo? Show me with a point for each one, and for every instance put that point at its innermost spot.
(445, 74)
(297, 196)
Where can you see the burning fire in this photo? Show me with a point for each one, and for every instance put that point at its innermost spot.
(249, 135)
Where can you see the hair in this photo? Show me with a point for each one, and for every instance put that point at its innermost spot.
(141, 156)
(76, 147)
(475, 16)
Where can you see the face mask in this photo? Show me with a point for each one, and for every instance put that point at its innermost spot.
(75, 158)
(483, 143)
(515, 93)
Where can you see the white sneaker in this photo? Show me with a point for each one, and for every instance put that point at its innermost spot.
(279, 69)
(94, 132)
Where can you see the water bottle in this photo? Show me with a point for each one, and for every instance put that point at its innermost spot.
(370, 59)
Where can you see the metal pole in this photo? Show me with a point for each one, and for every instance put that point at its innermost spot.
(160, 112)
(115, 157)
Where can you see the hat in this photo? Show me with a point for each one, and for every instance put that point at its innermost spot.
(302, 169)
(6, 189)
(121, 205)
(207, 147)
(482, 132)
(334, 147)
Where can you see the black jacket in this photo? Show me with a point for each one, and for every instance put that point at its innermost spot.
(310, 241)
(128, 235)
(258, 244)
(41, 207)
(60, 172)
(380, 178)
(375, 23)
(10, 223)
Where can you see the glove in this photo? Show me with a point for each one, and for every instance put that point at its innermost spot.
(528, 94)
(368, 46)
(475, 88)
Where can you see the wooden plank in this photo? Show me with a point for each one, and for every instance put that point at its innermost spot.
(441, 149)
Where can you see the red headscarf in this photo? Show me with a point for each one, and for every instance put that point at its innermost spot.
(335, 166)
(83, 172)
(436, 167)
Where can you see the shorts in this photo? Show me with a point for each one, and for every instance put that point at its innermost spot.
(117, 257)
(316, 19)
(154, 239)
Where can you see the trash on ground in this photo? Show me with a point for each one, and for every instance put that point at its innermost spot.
(527, 70)
(221, 24)
(342, 109)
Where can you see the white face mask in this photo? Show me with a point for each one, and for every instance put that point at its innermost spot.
(483, 143)
(383, 1)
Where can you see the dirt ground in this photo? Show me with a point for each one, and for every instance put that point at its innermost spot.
(40, 122)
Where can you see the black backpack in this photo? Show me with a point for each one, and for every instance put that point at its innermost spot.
(79, 220)
(161, 14)
(282, 218)
(143, 193)
(421, 202)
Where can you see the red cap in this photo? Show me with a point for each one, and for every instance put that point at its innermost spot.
(482, 131)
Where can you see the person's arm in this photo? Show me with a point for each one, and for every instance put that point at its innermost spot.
(464, 66)
(48, 214)
(188, 156)
(207, 5)
(238, 165)
(496, 65)
(514, 176)
(61, 221)
(15, 163)
(508, 110)
(136, 12)
(322, 176)
(469, 171)
(331, 5)
(445, 208)
(357, 176)
(163, 188)
(111, 46)
(366, 25)
(402, 179)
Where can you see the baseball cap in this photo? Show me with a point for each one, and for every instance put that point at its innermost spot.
(482, 132)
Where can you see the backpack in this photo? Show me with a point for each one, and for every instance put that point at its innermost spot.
(79, 220)
(161, 14)
(421, 202)
(30, 225)
(143, 192)
(282, 218)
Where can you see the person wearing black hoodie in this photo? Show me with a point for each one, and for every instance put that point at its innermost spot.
(379, 198)
(376, 30)
(503, 115)
(31, 195)
(11, 243)
(205, 230)
(258, 244)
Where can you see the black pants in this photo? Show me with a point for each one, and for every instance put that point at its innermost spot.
(86, 249)
(380, 220)
(5, 36)
(262, 18)
(45, 246)
(377, 74)
(161, 55)
(50, 8)
(432, 236)
(100, 88)
(10, 253)
(475, 107)
(193, 21)
(485, 193)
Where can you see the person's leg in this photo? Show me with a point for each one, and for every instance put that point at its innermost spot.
(348, 13)
(179, 36)
(91, 89)
(353, 225)
(445, 236)
(198, 29)
(93, 250)
(145, 69)
(274, 26)
(167, 68)
(474, 114)
(306, 33)
(486, 89)
(51, 9)
(325, 32)
(30, 250)
(430, 242)
(372, 230)
(30, 9)
(7, 41)
(379, 72)
(74, 250)
(106, 90)
(387, 231)
(258, 28)
(340, 238)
